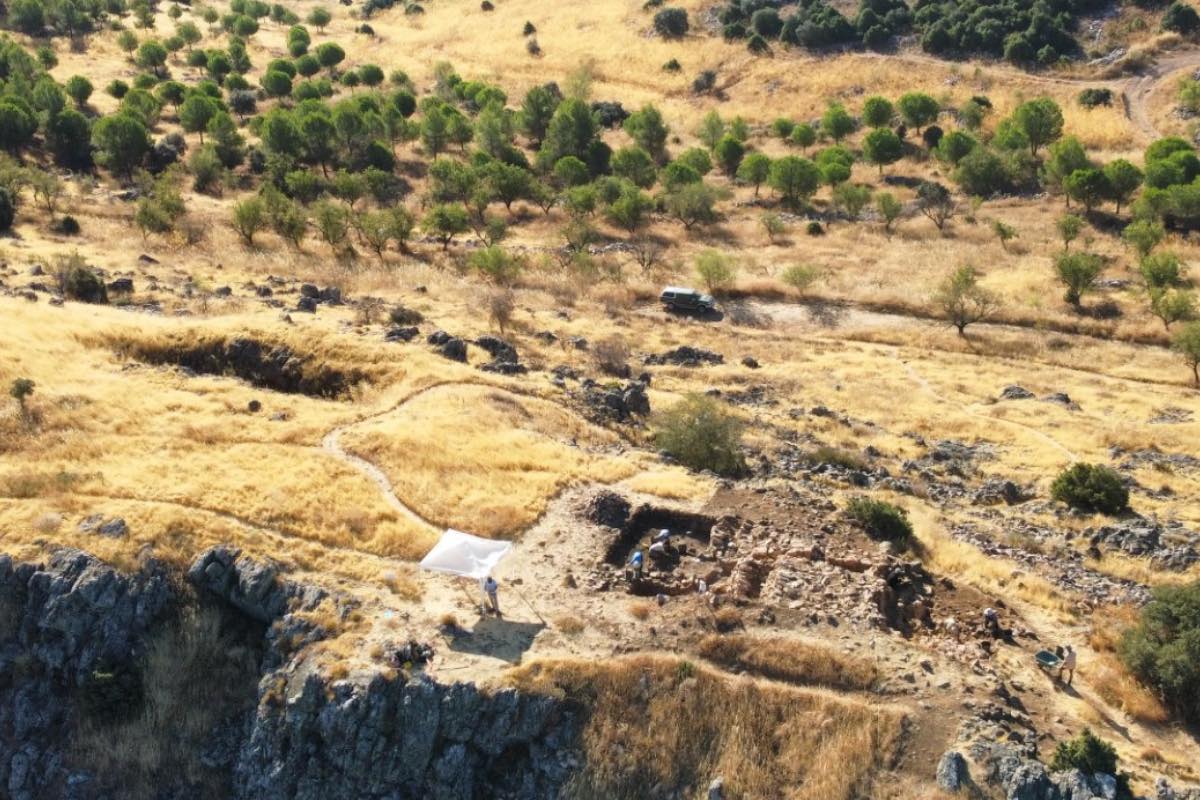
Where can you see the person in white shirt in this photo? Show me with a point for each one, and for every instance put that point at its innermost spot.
(490, 589)
(1068, 664)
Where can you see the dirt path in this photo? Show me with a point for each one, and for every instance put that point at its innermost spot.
(332, 445)
(1134, 91)
(1138, 89)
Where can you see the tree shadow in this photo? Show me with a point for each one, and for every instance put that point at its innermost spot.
(496, 638)
(825, 313)
(714, 315)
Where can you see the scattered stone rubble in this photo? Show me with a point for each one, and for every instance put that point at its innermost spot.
(1064, 568)
(450, 347)
(613, 402)
(1169, 546)
(684, 356)
(1019, 776)
(504, 356)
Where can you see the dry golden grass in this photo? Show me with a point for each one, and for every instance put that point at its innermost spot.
(1141, 570)
(1111, 680)
(765, 740)
(947, 556)
(1121, 690)
(640, 609)
(569, 624)
(790, 660)
(497, 458)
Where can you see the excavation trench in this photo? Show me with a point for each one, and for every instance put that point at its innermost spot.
(646, 520)
(264, 364)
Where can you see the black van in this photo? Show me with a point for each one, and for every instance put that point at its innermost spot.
(674, 298)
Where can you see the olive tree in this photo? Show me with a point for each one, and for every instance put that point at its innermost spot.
(1187, 343)
(963, 301)
(1078, 273)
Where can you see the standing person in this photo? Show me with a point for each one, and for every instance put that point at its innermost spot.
(635, 565)
(991, 619)
(1068, 664)
(490, 588)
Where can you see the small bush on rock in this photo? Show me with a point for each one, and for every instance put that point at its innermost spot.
(1090, 755)
(881, 520)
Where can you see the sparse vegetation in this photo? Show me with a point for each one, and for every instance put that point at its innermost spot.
(881, 520)
(1091, 487)
(237, 168)
(791, 660)
(1161, 649)
(963, 301)
(702, 435)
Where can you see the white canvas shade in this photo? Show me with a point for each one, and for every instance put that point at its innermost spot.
(458, 553)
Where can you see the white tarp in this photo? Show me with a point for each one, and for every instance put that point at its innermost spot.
(458, 553)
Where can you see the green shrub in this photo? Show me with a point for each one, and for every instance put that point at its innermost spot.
(715, 270)
(701, 434)
(1090, 755)
(8, 209)
(80, 283)
(65, 225)
(881, 520)
(1163, 649)
(1086, 753)
(1091, 487)
(1093, 97)
(671, 23)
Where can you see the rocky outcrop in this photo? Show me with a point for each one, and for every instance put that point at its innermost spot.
(1014, 392)
(685, 356)
(609, 403)
(68, 626)
(63, 624)
(448, 346)
(952, 774)
(504, 356)
(400, 739)
(75, 614)
(1024, 778)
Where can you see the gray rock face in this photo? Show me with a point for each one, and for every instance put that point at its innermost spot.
(952, 774)
(64, 620)
(405, 739)
(384, 738)
(253, 587)
(1024, 778)
(77, 613)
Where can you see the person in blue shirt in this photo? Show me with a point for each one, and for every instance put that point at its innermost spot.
(635, 564)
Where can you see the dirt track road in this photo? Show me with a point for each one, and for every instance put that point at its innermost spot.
(1134, 91)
